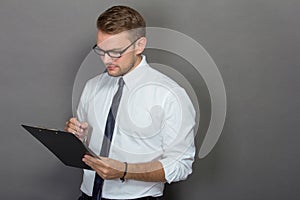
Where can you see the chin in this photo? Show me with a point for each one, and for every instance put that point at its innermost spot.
(115, 74)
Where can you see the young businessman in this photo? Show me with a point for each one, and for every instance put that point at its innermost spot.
(149, 118)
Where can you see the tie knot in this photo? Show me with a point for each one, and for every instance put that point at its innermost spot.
(121, 82)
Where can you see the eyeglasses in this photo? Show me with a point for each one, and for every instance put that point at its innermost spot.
(112, 53)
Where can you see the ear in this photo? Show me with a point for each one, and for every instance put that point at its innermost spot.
(141, 45)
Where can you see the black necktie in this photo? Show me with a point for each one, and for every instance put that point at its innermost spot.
(109, 129)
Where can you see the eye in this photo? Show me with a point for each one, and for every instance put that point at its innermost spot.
(114, 53)
(98, 51)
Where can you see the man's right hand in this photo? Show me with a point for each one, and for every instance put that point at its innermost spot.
(80, 129)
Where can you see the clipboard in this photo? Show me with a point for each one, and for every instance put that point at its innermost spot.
(64, 145)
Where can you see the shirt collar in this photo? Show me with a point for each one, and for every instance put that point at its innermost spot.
(132, 77)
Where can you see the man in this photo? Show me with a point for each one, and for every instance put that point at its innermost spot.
(152, 136)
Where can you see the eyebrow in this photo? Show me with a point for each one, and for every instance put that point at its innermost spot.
(114, 49)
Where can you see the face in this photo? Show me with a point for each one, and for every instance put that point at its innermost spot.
(129, 59)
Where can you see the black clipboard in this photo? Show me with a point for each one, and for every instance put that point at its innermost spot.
(65, 146)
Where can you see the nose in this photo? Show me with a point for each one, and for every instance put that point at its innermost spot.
(106, 58)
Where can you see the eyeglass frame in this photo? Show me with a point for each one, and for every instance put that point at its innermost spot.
(96, 49)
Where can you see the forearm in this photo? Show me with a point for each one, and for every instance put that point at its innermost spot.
(149, 172)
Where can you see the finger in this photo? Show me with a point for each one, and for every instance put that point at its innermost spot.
(75, 125)
(78, 124)
(74, 120)
(90, 158)
(93, 160)
(67, 125)
(89, 163)
(94, 167)
(72, 130)
(69, 122)
(84, 125)
(94, 164)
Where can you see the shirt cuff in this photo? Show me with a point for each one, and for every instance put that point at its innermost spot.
(175, 170)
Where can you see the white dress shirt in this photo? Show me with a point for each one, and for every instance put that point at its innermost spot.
(155, 121)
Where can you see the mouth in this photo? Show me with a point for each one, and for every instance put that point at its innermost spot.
(111, 67)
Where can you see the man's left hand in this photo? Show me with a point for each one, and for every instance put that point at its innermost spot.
(106, 168)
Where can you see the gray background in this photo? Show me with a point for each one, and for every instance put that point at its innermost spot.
(255, 44)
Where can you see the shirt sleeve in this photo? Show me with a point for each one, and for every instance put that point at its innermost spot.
(88, 93)
(81, 109)
(178, 136)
